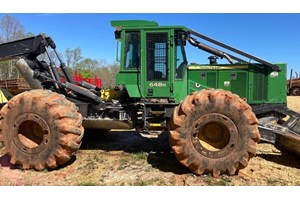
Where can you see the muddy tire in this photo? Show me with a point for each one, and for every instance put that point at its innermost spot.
(40, 129)
(214, 131)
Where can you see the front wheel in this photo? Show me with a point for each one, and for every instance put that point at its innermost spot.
(40, 129)
(214, 131)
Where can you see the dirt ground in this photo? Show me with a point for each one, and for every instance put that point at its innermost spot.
(132, 158)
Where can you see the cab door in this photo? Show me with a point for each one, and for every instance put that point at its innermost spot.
(156, 66)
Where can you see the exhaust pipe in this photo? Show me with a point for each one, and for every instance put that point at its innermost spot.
(209, 49)
(27, 74)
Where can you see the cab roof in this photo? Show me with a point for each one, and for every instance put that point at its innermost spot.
(140, 24)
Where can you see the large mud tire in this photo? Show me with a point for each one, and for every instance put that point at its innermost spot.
(214, 131)
(40, 129)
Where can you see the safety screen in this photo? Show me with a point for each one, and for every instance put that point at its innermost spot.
(157, 56)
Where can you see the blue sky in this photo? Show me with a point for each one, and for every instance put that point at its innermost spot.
(273, 37)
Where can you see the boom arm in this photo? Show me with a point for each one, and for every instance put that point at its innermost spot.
(29, 48)
(30, 67)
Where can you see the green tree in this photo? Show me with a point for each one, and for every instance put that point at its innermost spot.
(108, 73)
(73, 57)
(87, 67)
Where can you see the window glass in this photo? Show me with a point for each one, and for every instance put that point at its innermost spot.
(132, 50)
(181, 61)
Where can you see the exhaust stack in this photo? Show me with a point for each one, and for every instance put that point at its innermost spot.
(27, 74)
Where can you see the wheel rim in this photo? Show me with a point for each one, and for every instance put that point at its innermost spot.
(214, 135)
(31, 133)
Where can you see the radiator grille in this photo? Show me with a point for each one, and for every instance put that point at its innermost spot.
(260, 86)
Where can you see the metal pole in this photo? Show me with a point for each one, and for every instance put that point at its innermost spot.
(274, 67)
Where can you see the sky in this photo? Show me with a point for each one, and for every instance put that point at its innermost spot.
(272, 37)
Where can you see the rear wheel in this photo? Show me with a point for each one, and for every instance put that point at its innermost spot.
(40, 129)
(214, 131)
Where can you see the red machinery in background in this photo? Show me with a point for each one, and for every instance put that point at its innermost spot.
(95, 81)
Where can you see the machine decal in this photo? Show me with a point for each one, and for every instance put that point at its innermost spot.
(157, 84)
(217, 67)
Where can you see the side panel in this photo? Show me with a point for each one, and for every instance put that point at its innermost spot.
(235, 81)
(256, 84)
(266, 86)
(226, 77)
(131, 79)
(202, 79)
(277, 91)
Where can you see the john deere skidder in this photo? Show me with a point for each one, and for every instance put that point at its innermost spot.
(215, 113)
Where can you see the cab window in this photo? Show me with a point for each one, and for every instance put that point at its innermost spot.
(132, 50)
(181, 62)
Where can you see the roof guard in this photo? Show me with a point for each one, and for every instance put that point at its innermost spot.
(118, 24)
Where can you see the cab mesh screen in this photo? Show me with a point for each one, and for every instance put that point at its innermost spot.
(157, 56)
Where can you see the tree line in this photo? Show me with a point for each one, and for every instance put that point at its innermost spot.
(11, 29)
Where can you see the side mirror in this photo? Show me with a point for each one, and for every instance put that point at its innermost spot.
(118, 51)
(180, 38)
(117, 34)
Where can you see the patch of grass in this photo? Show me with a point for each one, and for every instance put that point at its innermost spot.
(89, 183)
(149, 182)
(131, 159)
(80, 167)
(102, 182)
(140, 156)
(122, 184)
(98, 158)
(124, 162)
(90, 164)
(223, 181)
(161, 182)
(275, 182)
(147, 169)
(45, 170)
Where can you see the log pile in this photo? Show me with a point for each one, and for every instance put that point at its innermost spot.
(15, 86)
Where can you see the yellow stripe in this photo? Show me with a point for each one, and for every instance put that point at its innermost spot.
(154, 124)
(219, 67)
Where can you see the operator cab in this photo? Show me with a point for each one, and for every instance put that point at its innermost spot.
(152, 58)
